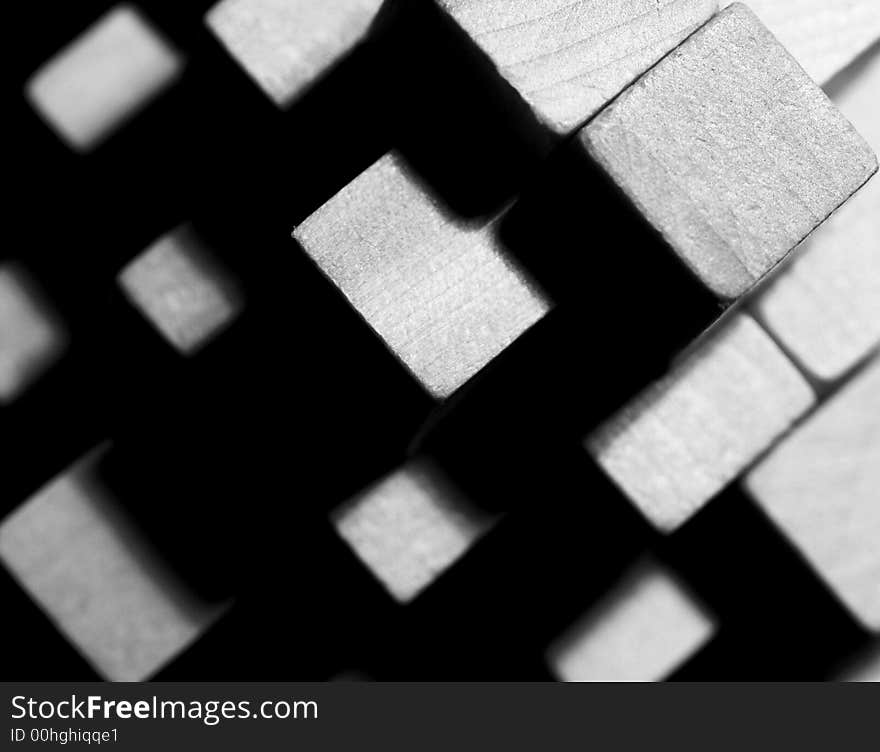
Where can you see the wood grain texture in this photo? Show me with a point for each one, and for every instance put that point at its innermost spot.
(31, 337)
(181, 290)
(823, 35)
(821, 487)
(730, 151)
(97, 579)
(410, 527)
(825, 306)
(567, 59)
(102, 77)
(687, 436)
(287, 45)
(642, 631)
(441, 293)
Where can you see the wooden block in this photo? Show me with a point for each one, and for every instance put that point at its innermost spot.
(687, 436)
(103, 77)
(181, 290)
(75, 554)
(821, 487)
(642, 631)
(825, 307)
(410, 527)
(440, 293)
(730, 151)
(287, 45)
(31, 338)
(567, 60)
(823, 35)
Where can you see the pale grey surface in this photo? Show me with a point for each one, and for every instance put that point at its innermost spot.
(825, 306)
(102, 77)
(97, 579)
(821, 487)
(31, 338)
(286, 45)
(823, 35)
(410, 527)
(642, 631)
(677, 444)
(440, 293)
(181, 290)
(730, 150)
(567, 59)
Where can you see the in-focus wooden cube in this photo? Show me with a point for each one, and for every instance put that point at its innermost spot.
(440, 292)
(821, 487)
(410, 527)
(825, 306)
(72, 550)
(31, 338)
(567, 60)
(181, 289)
(730, 151)
(103, 77)
(676, 445)
(642, 631)
(287, 45)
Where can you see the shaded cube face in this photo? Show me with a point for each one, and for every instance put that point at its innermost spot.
(730, 151)
(101, 78)
(31, 336)
(181, 290)
(287, 45)
(439, 292)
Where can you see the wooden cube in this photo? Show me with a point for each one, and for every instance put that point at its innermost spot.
(103, 77)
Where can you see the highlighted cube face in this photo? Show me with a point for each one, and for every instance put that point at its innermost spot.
(103, 77)
(181, 290)
(409, 528)
(441, 293)
(642, 631)
(32, 338)
(287, 45)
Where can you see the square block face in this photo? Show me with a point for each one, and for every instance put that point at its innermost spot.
(409, 528)
(730, 151)
(821, 487)
(106, 591)
(688, 435)
(286, 45)
(30, 337)
(103, 77)
(822, 35)
(641, 632)
(181, 290)
(825, 306)
(567, 60)
(440, 293)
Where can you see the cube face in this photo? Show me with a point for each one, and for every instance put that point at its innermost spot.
(286, 45)
(644, 630)
(104, 588)
(686, 437)
(825, 307)
(31, 337)
(821, 487)
(730, 151)
(440, 293)
(409, 528)
(568, 60)
(181, 290)
(102, 77)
